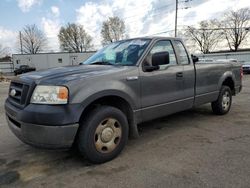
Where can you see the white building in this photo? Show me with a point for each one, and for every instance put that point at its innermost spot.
(241, 56)
(49, 60)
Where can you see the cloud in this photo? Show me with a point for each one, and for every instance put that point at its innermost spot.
(149, 17)
(25, 5)
(51, 26)
(8, 38)
(55, 10)
(91, 15)
(209, 10)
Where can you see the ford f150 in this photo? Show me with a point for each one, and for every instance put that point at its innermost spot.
(96, 106)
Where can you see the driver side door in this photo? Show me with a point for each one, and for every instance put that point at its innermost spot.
(162, 89)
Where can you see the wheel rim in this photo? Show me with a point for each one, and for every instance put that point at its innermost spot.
(107, 135)
(226, 99)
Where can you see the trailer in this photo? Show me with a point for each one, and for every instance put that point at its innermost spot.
(43, 61)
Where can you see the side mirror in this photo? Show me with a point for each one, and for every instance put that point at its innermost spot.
(160, 58)
(194, 58)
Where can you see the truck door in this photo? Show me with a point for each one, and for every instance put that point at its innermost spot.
(162, 89)
(188, 72)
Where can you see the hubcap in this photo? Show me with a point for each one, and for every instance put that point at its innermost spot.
(226, 100)
(107, 135)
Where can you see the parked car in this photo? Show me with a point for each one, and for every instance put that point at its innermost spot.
(246, 67)
(97, 105)
(23, 69)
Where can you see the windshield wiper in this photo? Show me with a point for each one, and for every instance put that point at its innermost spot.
(101, 63)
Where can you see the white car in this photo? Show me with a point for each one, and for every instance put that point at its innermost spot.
(246, 67)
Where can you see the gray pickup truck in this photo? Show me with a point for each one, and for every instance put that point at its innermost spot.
(97, 105)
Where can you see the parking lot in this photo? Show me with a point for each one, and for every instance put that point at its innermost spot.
(190, 149)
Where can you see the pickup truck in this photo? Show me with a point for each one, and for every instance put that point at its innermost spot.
(97, 106)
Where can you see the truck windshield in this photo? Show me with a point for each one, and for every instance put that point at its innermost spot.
(126, 53)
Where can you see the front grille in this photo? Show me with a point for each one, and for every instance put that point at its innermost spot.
(18, 93)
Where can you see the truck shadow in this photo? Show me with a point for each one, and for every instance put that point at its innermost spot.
(177, 120)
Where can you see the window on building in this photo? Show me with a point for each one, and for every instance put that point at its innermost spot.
(60, 60)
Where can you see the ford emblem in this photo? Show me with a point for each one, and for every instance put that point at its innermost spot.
(13, 92)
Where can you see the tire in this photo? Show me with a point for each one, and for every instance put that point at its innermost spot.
(223, 104)
(103, 134)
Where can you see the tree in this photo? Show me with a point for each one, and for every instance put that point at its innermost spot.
(113, 30)
(4, 51)
(206, 36)
(73, 38)
(32, 40)
(234, 26)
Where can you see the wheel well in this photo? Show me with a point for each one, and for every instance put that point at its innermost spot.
(113, 101)
(230, 83)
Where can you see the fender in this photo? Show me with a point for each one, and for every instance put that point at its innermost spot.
(108, 93)
(116, 93)
(227, 74)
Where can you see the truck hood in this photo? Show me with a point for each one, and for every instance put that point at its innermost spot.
(69, 73)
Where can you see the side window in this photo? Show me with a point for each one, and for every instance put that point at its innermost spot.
(164, 46)
(184, 60)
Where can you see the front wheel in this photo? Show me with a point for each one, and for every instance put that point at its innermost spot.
(223, 104)
(103, 134)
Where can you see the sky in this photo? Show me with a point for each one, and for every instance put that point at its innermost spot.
(142, 17)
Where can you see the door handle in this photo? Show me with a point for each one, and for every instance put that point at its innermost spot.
(179, 74)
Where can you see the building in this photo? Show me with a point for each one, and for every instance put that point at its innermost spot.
(49, 60)
(241, 56)
(6, 66)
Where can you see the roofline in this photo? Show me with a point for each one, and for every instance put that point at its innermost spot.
(224, 53)
(45, 53)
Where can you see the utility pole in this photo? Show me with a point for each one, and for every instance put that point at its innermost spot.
(176, 15)
(21, 41)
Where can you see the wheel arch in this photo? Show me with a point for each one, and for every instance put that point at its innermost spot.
(228, 79)
(120, 101)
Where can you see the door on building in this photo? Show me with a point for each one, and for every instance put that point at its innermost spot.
(73, 60)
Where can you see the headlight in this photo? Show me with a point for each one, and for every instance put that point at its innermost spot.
(50, 95)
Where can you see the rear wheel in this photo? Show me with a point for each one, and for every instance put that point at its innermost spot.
(103, 134)
(223, 104)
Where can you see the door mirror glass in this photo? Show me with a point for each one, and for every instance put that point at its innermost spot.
(160, 58)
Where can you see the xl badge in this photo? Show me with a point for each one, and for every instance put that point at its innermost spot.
(13, 92)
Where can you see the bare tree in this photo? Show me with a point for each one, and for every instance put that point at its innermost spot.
(32, 40)
(204, 37)
(73, 38)
(113, 30)
(4, 51)
(234, 26)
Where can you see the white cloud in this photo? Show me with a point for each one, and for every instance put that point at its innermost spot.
(51, 26)
(25, 5)
(51, 29)
(55, 10)
(147, 17)
(91, 16)
(209, 10)
(8, 38)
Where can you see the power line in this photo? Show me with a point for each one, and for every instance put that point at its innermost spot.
(137, 15)
(221, 28)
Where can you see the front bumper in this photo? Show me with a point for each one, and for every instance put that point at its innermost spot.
(41, 128)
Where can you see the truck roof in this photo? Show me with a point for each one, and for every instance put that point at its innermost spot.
(154, 38)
